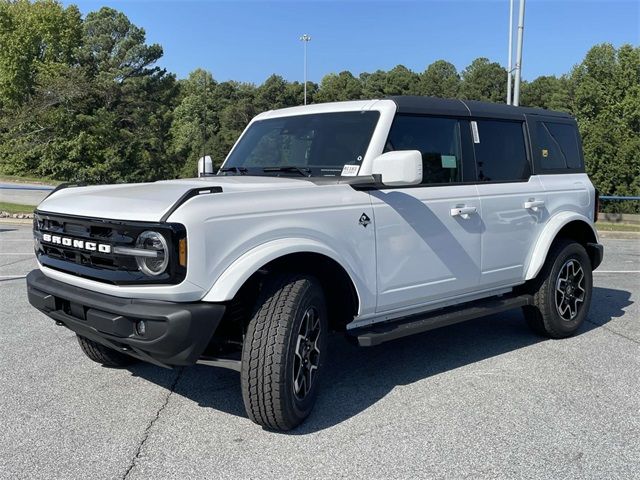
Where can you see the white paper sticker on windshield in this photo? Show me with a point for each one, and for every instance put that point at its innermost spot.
(350, 170)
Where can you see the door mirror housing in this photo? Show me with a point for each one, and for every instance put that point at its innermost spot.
(399, 168)
(205, 166)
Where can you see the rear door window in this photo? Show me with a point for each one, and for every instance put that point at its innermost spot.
(558, 147)
(501, 152)
(437, 139)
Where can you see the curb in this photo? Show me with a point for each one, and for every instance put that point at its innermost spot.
(619, 235)
(16, 221)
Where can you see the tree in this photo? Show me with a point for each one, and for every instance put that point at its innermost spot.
(484, 80)
(606, 101)
(397, 81)
(102, 117)
(440, 79)
(547, 92)
(33, 36)
(339, 87)
(273, 94)
(196, 120)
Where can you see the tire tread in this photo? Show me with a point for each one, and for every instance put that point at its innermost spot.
(104, 355)
(266, 348)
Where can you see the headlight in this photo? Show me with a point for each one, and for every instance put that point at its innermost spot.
(155, 242)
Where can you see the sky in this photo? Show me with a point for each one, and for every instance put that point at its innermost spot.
(248, 41)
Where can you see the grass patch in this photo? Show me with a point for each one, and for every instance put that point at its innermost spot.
(617, 227)
(16, 208)
(35, 180)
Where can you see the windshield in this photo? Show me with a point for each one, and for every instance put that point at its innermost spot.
(314, 145)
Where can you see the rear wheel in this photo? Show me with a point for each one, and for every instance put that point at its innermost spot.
(104, 355)
(562, 291)
(283, 352)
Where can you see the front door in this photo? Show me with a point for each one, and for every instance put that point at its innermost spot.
(427, 244)
(428, 237)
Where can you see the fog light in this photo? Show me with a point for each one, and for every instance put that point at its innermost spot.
(141, 328)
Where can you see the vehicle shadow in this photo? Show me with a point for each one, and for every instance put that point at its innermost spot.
(356, 378)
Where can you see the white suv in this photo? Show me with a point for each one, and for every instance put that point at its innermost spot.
(378, 218)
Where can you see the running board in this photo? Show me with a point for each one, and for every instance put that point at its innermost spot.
(229, 363)
(423, 322)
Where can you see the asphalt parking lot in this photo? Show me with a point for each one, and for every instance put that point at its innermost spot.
(484, 399)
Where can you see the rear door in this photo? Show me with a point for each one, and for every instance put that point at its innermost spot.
(428, 236)
(559, 164)
(513, 201)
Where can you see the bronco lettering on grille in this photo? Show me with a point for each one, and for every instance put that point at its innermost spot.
(75, 243)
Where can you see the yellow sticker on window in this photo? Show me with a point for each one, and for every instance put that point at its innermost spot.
(545, 152)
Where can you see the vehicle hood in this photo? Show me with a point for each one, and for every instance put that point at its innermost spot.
(148, 202)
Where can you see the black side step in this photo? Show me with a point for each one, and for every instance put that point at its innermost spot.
(383, 332)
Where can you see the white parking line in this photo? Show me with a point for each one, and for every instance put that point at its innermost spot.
(617, 271)
(11, 277)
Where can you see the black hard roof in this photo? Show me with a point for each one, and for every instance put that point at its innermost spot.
(450, 106)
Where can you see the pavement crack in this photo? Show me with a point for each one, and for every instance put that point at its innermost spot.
(147, 430)
(605, 327)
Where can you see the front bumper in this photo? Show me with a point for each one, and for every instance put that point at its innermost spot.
(176, 333)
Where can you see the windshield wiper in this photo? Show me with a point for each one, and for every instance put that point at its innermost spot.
(305, 172)
(240, 170)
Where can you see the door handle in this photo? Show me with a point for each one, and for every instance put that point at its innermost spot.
(534, 205)
(463, 211)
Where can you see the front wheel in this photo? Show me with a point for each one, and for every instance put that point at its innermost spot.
(562, 291)
(283, 352)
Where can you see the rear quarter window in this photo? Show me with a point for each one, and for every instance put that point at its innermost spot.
(558, 146)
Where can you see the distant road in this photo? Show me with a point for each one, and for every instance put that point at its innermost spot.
(23, 193)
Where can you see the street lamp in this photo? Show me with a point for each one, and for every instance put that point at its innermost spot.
(305, 39)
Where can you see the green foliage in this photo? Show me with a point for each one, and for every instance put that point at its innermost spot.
(103, 116)
(33, 36)
(83, 99)
(606, 102)
(340, 87)
(547, 92)
(440, 79)
(484, 80)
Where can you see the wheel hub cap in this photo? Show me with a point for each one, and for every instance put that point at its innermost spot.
(570, 291)
(307, 353)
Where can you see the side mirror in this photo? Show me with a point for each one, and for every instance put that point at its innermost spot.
(403, 167)
(205, 166)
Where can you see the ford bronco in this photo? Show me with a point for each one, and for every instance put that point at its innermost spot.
(378, 218)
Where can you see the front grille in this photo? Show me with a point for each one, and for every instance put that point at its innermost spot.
(105, 266)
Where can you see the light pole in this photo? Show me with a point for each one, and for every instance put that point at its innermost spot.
(305, 39)
(510, 62)
(516, 88)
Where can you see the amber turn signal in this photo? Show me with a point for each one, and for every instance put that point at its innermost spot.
(182, 252)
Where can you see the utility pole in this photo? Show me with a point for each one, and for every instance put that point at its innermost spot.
(516, 90)
(305, 39)
(509, 63)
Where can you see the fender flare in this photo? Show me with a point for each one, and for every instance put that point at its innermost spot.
(235, 275)
(548, 235)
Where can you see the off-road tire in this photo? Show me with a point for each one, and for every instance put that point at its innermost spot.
(269, 351)
(104, 355)
(543, 316)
